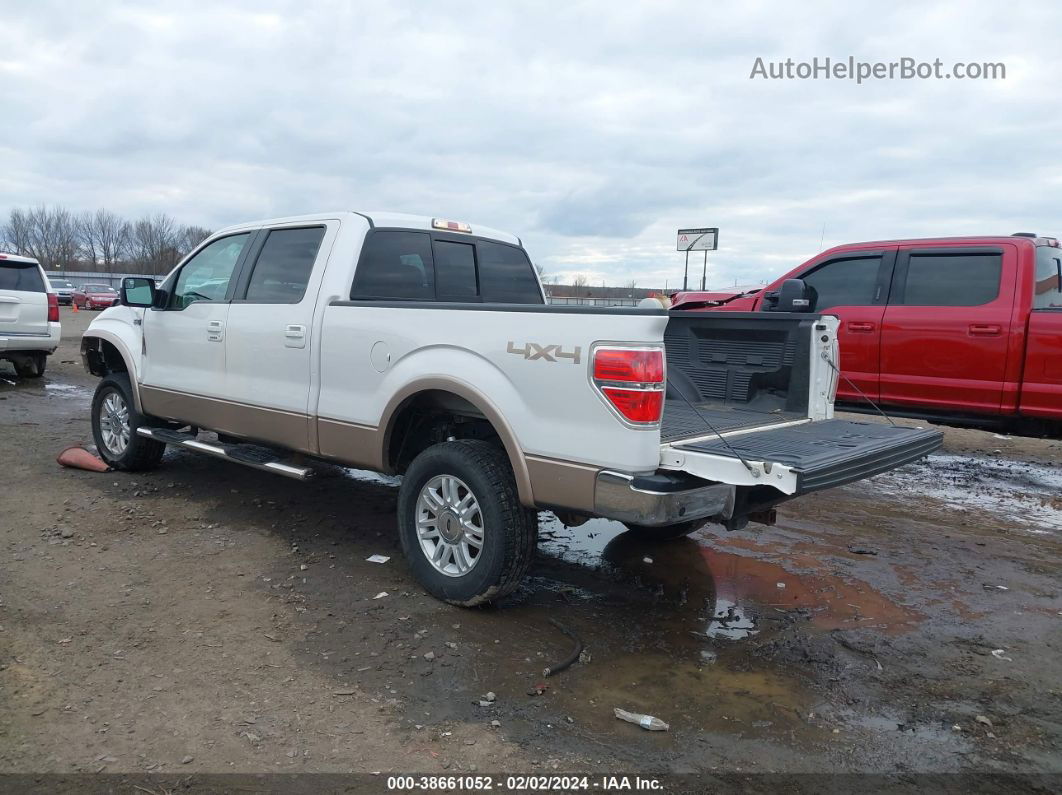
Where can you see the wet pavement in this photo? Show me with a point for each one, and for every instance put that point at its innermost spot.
(911, 622)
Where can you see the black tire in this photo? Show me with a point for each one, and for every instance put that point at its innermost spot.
(32, 366)
(509, 530)
(139, 453)
(667, 532)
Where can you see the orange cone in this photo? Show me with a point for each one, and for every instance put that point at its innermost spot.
(73, 305)
(77, 457)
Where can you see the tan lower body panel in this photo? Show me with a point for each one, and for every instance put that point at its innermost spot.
(357, 445)
(554, 483)
(255, 423)
(562, 484)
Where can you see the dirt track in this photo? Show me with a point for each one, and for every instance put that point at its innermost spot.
(208, 618)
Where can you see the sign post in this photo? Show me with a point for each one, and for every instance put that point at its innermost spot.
(704, 239)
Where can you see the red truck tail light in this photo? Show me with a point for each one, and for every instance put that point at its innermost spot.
(632, 381)
(53, 308)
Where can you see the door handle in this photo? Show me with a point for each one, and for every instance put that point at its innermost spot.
(215, 330)
(864, 327)
(986, 329)
(295, 335)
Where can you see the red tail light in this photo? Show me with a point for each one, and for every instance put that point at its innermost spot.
(643, 366)
(632, 381)
(53, 308)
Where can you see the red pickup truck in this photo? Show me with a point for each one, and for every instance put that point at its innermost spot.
(959, 329)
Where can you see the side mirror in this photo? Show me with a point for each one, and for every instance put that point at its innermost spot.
(138, 291)
(794, 296)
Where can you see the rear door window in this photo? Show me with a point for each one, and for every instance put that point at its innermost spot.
(22, 276)
(506, 275)
(951, 279)
(1047, 289)
(845, 282)
(283, 267)
(396, 265)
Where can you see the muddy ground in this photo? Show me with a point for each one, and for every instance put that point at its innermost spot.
(209, 618)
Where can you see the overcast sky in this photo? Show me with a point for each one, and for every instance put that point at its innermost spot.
(593, 130)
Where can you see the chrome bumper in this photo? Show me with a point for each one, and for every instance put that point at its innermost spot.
(628, 498)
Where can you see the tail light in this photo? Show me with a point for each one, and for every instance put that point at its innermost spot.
(632, 381)
(53, 308)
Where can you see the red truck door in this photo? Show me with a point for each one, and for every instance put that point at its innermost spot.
(947, 327)
(1041, 389)
(854, 286)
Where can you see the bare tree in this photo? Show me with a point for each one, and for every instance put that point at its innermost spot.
(189, 237)
(105, 238)
(580, 281)
(16, 232)
(49, 234)
(153, 244)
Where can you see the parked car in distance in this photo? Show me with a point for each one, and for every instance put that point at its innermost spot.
(965, 330)
(29, 315)
(95, 296)
(424, 347)
(64, 290)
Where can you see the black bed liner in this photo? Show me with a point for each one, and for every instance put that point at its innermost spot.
(682, 420)
(830, 452)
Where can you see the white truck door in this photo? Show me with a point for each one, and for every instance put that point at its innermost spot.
(184, 342)
(270, 325)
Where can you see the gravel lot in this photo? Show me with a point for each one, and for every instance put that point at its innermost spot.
(205, 618)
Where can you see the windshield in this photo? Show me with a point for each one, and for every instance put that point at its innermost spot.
(1047, 287)
(98, 288)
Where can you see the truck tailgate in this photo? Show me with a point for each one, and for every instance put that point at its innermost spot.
(797, 459)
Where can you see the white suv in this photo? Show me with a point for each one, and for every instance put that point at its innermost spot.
(29, 315)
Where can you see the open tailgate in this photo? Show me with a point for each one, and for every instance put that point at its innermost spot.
(803, 457)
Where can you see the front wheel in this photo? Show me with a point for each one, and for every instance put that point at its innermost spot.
(114, 423)
(465, 534)
(666, 532)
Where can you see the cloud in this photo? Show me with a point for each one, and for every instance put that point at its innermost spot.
(591, 130)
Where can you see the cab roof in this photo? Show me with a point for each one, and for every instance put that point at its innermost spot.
(382, 219)
(962, 240)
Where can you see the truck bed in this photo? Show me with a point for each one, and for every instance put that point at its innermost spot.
(684, 420)
(725, 376)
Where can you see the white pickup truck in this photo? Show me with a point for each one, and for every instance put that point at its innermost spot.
(424, 347)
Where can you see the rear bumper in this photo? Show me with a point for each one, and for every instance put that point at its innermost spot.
(664, 498)
(19, 343)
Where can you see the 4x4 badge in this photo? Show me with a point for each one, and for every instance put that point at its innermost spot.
(532, 351)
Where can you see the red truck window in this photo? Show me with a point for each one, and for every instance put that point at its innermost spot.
(845, 282)
(952, 279)
(1047, 289)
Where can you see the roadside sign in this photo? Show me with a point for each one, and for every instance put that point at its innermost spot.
(698, 239)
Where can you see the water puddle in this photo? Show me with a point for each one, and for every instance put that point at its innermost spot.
(734, 581)
(367, 476)
(67, 390)
(1019, 494)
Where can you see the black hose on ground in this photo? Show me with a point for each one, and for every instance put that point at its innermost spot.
(571, 658)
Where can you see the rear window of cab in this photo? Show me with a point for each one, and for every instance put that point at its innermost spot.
(399, 264)
(21, 276)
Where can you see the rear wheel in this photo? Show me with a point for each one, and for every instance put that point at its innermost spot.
(465, 534)
(666, 532)
(114, 423)
(32, 366)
